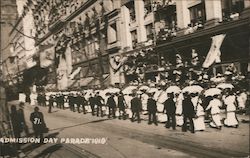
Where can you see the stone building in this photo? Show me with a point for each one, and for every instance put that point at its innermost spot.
(101, 42)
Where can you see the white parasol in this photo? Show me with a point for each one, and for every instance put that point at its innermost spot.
(173, 89)
(192, 89)
(225, 85)
(129, 89)
(114, 90)
(144, 88)
(212, 92)
(152, 90)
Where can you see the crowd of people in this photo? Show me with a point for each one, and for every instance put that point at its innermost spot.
(190, 106)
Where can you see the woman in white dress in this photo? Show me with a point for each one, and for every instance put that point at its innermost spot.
(230, 102)
(179, 118)
(199, 120)
(215, 105)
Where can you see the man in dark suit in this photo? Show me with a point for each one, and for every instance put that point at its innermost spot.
(121, 106)
(83, 103)
(136, 107)
(99, 103)
(188, 112)
(170, 108)
(61, 101)
(92, 104)
(112, 105)
(78, 102)
(38, 122)
(152, 109)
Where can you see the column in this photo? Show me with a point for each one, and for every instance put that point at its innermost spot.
(213, 12)
(126, 40)
(139, 12)
(183, 14)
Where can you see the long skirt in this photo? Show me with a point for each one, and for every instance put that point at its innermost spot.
(216, 120)
(231, 119)
(162, 117)
(129, 112)
(199, 123)
(179, 120)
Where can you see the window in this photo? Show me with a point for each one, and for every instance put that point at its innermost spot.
(149, 31)
(230, 7)
(131, 7)
(134, 38)
(112, 33)
(198, 13)
(147, 6)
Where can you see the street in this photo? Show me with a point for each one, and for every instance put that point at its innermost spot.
(127, 139)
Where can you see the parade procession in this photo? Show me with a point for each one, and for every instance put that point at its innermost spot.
(125, 78)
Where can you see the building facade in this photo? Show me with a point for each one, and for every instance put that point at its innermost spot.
(85, 43)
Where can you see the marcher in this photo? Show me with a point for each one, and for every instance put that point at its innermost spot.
(170, 108)
(188, 112)
(230, 102)
(199, 120)
(38, 123)
(78, 102)
(152, 109)
(215, 105)
(99, 102)
(83, 103)
(112, 106)
(122, 106)
(92, 104)
(136, 107)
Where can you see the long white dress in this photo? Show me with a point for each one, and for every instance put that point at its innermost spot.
(231, 119)
(215, 105)
(199, 122)
(242, 99)
(144, 100)
(179, 117)
(33, 98)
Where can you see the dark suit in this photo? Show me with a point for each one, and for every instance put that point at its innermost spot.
(99, 104)
(136, 107)
(83, 102)
(38, 123)
(92, 104)
(170, 108)
(152, 109)
(78, 102)
(112, 106)
(121, 106)
(189, 113)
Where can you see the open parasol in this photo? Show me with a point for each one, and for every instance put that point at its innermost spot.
(212, 92)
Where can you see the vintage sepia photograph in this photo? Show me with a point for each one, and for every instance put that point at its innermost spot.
(125, 79)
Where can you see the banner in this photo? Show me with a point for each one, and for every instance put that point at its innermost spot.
(214, 52)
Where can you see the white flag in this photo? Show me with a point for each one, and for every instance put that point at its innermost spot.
(214, 52)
